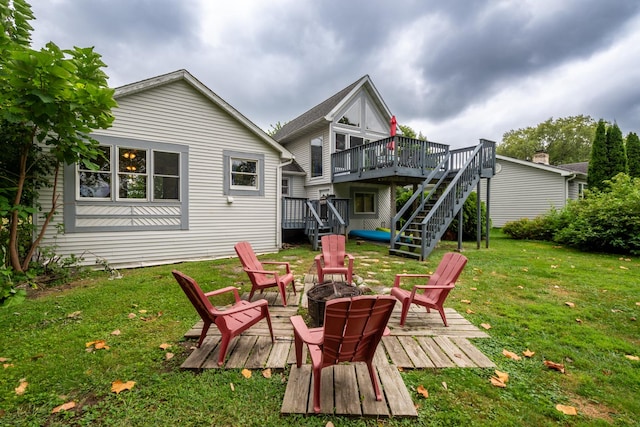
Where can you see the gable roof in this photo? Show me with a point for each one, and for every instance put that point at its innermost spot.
(581, 167)
(164, 79)
(327, 109)
(563, 170)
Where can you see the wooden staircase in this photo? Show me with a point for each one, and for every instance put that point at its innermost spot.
(326, 216)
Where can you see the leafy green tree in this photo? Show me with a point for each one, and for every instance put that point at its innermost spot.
(616, 157)
(566, 140)
(633, 155)
(598, 171)
(410, 133)
(275, 128)
(50, 101)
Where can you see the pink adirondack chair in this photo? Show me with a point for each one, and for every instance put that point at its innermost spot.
(231, 322)
(435, 291)
(332, 259)
(259, 276)
(352, 331)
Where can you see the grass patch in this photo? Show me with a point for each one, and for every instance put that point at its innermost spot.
(520, 288)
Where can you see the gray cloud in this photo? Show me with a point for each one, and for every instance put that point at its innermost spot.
(432, 61)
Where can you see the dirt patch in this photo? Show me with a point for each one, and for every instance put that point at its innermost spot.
(43, 290)
(592, 409)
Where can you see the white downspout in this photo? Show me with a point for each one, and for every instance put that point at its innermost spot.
(566, 187)
(279, 201)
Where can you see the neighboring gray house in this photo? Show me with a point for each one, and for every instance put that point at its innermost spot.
(523, 189)
(187, 177)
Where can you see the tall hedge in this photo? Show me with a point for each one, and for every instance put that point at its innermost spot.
(633, 155)
(598, 164)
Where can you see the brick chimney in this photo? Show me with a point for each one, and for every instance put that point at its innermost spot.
(541, 157)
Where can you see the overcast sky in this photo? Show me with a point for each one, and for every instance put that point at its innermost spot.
(455, 70)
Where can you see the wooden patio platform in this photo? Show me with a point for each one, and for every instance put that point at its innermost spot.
(424, 342)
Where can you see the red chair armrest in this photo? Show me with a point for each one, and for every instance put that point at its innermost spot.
(449, 286)
(224, 290)
(303, 331)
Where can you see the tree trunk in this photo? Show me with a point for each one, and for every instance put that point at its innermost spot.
(14, 255)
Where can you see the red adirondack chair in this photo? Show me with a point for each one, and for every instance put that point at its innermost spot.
(332, 258)
(352, 331)
(435, 291)
(261, 278)
(231, 322)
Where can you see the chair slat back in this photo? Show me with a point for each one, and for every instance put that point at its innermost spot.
(353, 327)
(249, 261)
(196, 296)
(447, 272)
(333, 250)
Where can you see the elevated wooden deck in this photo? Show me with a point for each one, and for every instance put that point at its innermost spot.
(424, 342)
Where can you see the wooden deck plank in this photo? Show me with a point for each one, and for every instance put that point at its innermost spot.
(292, 353)
(396, 352)
(296, 394)
(417, 355)
(240, 353)
(370, 406)
(260, 353)
(212, 360)
(327, 396)
(199, 355)
(454, 353)
(397, 396)
(380, 356)
(278, 356)
(345, 386)
(474, 354)
(437, 356)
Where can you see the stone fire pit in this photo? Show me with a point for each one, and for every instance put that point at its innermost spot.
(321, 293)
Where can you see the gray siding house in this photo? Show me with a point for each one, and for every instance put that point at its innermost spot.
(186, 176)
(352, 117)
(523, 189)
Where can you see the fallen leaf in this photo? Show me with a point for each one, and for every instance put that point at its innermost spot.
(638, 303)
(267, 373)
(554, 266)
(423, 391)
(567, 410)
(116, 332)
(579, 321)
(246, 373)
(74, 314)
(622, 267)
(528, 353)
(232, 387)
(117, 386)
(132, 316)
(525, 269)
(466, 301)
(165, 346)
(142, 311)
(496, 382)
(100, 345)
(4, 359)
(168, 356)
(474, 289)
(553, 365)
(64, 407)
(7, 365)
(469, 311)
(485, 325)
(22, 387)
(502, 376)
(630, 357)
(520, 287)
(510, 355)
(444, 385)
(329, 424)
(615, 310)
(570, 304)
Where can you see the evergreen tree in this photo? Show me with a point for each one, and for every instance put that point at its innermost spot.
(616, 157)
(598, 164)
(633, 155)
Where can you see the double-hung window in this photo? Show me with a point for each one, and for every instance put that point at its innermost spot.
(243, 173)
(137, 185)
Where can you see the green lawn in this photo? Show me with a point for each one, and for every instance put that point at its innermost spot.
(521, 289)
